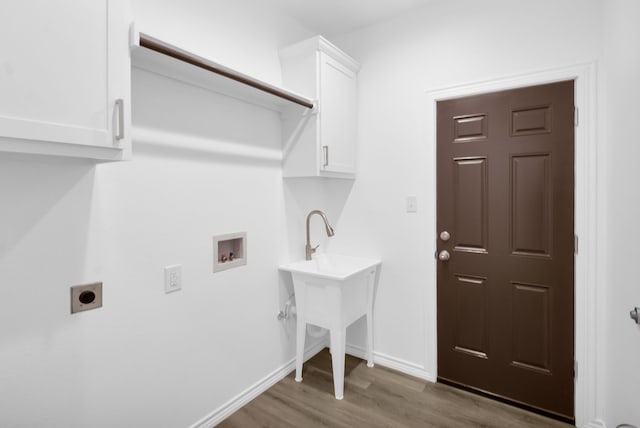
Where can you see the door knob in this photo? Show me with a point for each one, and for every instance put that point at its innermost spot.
(445, 236)
(444, 255)
(635, 315)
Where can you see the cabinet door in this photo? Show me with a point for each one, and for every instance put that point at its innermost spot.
(64, 63)
(338, 93)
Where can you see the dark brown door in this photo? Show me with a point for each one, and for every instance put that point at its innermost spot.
(506, 198)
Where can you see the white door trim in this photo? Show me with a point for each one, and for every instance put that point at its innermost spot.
(587, 270)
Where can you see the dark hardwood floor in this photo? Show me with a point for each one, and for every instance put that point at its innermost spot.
(375, 397)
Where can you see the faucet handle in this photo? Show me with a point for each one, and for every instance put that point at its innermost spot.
(310, 250)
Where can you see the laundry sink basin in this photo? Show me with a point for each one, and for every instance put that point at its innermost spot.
(332, 292)
(331, 266)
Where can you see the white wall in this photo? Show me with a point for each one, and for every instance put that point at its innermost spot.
(621, 91)
(147, 358)
(445, 44)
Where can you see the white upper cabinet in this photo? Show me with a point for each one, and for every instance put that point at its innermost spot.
(65, 78)
(321, 143)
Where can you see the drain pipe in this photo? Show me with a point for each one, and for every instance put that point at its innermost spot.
(290, 311)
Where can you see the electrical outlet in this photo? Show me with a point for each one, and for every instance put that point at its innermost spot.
(86, 297)
(172, 278)
(412, 204)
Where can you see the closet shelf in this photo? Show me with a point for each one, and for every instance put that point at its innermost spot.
(151, 54)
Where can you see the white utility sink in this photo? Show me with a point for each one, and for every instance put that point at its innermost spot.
(333, 291)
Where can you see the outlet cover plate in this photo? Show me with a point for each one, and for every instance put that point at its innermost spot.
(86, 297)
(172, 278)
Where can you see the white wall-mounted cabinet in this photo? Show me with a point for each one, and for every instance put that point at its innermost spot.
(324, 143)
(65, 78)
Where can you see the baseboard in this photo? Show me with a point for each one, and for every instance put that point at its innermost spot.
(240, 400)
(394, 363)
(595, 424)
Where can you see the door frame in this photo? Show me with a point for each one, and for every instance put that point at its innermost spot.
(588, 295)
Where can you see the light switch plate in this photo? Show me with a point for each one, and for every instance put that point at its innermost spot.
(412, 204)
(172, 278)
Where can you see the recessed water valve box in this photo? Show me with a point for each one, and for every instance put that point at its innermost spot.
(86, 297)
(229, 251)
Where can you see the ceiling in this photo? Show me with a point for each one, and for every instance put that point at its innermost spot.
(341, 16)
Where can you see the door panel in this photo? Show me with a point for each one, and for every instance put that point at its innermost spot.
(531, 326)
(470, 128)
(531, 213)
(471, 326)
(338, 114)
(505, 195)
(530, 121)
(470, 210)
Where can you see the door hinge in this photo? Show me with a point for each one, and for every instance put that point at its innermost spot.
(575, 244)
(575, 369)
(576, 116)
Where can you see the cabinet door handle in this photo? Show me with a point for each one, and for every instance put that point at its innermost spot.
(325, 150)
(120, 126)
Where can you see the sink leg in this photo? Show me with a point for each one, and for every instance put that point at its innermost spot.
(301, 329)
(337, 360)
(370, 288)
(369, 340)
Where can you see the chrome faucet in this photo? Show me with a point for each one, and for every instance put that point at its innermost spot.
(310, 250)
